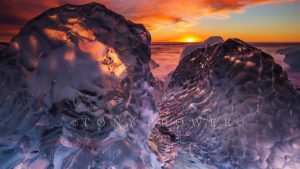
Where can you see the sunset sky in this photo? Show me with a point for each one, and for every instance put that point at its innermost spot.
(181, 20)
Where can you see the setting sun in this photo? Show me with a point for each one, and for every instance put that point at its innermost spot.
(190, 39)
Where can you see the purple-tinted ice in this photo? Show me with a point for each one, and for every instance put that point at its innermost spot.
(75, 92)
(230, 106)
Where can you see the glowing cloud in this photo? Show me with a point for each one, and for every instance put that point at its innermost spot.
(155, 14)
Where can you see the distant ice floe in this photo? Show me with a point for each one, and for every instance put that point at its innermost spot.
(153, 64)
(292, 56)
(3, 46)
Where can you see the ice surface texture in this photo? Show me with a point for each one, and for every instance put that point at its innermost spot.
(231, 106)
(75, 92)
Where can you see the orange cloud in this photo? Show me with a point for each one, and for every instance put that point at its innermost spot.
(158, 13)
(155, 14)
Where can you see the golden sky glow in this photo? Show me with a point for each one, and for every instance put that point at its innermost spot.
(181, 20)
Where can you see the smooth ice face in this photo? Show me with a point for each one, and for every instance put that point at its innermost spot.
(213, 40)
(75, 92)
(208, 42)
(230, 106)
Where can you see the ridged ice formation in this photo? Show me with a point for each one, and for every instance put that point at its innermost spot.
(75, 92)
(231, 106)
